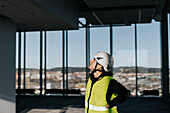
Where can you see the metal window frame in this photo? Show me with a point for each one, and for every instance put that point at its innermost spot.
(45, 62)
(164, 56)
(19, 60)
(111, 42)
(24, 60)
(66, 36)
(136, 65)
(41, 41)
(63, 68)
(87, 50)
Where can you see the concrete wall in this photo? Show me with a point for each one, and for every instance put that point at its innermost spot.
(7, 66)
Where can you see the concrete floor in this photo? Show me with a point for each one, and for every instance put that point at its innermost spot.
(60, 104)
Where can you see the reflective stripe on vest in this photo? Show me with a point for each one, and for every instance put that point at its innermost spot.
(96, 108)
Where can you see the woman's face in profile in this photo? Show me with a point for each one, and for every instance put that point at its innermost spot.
(92, 64)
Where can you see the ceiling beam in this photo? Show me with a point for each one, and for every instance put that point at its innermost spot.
(159, 8)
(120, 8)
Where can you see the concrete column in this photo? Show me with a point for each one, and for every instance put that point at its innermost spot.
(164, 53)
(7, 66)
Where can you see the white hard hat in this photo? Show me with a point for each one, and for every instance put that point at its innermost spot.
(105, 60)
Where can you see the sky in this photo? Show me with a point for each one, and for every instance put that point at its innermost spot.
(148, 48)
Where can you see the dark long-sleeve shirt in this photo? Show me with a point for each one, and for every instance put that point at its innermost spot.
(114, 87)
(120, 90)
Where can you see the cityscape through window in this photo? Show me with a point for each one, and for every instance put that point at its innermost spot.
(135, 73)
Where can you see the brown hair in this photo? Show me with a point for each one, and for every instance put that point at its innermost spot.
(110, 73)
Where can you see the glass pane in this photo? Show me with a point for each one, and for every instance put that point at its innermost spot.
(149, 69)
(83, 21)
(43, 62)
(16, 57)
(54, 60)
(77, 60)
(22, 60)
(33, 60)
(99, 40)
(124, 57)
(169, 45)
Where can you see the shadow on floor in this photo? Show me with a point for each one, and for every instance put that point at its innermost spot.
(25, 104)
(73, 104)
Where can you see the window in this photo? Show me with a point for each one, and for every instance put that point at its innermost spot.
(54, 75)
(16, 86)
(124, 56)
(99, 40)
(32, 60)
(21, 60)
(149, 73)
(82, 21)
(77, 60)
(169, 45)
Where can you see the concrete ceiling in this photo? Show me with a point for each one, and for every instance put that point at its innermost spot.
(32, 15)
(168, 6)
(99, 12)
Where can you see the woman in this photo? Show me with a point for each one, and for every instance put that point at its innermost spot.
(103, 92)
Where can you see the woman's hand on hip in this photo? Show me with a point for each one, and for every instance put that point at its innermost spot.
(107, 106)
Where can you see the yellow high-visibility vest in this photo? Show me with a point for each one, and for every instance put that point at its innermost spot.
(95, 98)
